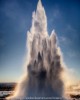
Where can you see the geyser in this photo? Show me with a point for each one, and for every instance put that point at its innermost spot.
(44, 61)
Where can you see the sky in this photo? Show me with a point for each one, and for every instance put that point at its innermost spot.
(15, 20)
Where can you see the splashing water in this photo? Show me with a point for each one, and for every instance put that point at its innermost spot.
(45, 64)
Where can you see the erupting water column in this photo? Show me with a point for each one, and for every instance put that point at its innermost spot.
(44, 61)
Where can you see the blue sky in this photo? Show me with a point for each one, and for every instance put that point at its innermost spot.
(15, 21)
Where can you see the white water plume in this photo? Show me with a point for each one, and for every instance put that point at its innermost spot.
(44, 61)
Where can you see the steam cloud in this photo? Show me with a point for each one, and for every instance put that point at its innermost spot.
(45, 64)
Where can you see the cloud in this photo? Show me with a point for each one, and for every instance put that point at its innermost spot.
(56, 13)
(70, 28)
(72, 54)
(64, 40)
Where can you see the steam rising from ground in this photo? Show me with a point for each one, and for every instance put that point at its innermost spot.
(44, 65)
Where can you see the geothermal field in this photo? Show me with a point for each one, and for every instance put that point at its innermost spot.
(45, 69)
